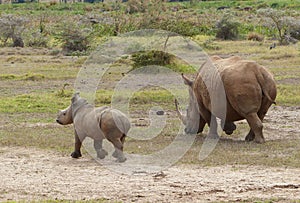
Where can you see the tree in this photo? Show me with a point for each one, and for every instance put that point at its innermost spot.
(276, 19)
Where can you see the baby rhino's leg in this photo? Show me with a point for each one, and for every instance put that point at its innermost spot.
(77, 152)
(118, 144)
(101, 153)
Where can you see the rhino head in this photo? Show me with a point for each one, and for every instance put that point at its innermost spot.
(192, 118)
(65, 116)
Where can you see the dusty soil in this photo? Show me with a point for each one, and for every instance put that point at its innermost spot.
(35, 174)
(28, 173)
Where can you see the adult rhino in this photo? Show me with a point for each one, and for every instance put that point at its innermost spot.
(96, 123)
(249, 91)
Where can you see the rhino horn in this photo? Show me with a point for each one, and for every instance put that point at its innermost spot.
(180, 115)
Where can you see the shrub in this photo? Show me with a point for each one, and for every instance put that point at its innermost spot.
(12, 28)
(151, 58)
(73, 38)
(295, 30)
(134, 6)
(227, 29)
(37, 39)
(141, 6)
(210, 44)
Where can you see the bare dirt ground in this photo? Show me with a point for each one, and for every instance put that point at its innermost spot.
(35, 174)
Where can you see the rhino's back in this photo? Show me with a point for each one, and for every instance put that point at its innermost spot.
(86, 122)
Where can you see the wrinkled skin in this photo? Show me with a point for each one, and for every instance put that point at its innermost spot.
(97, 123)
(249, 91)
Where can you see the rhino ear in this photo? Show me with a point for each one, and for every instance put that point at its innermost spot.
(186, 80)
(75, 97)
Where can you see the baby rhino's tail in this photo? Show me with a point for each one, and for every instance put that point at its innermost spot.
(121, 121)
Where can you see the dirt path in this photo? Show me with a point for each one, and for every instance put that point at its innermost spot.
(28, 173)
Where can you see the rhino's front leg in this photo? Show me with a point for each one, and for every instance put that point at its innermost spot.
(202, 123)
(78, 143)
(250, 136)
(101, 153)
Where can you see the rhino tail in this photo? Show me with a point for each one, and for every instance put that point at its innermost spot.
(121, 121)
(265, 86)
(100, 118)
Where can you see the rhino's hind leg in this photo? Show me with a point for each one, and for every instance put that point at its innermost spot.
(118, 153)
(256, 126)
(261, 114)
(101, 153)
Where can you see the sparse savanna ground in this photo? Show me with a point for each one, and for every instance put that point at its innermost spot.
(35, 162)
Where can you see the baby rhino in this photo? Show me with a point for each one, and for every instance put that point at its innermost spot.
(96, 123)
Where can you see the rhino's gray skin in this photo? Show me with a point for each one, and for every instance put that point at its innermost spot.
(96, 123)
(250, 90)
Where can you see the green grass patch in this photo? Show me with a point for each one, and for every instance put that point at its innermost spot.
(27, 76)
(157, 96)
(154, 95)
(288, 95)
(37, 102)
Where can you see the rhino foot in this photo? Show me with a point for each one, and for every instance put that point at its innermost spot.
(76, 154)
(250, 137)
(101, 154)
(115, 154)
(259, 140)
(213, 136)
(121, 159)
(119, 155)
(190, 131)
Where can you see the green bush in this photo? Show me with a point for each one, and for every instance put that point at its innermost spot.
(142, 6)
(37, 39)
(11, 29)
(151, 58)
(73, 38)
(227, 29)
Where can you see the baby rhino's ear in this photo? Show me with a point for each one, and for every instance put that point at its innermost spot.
(75, 97)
